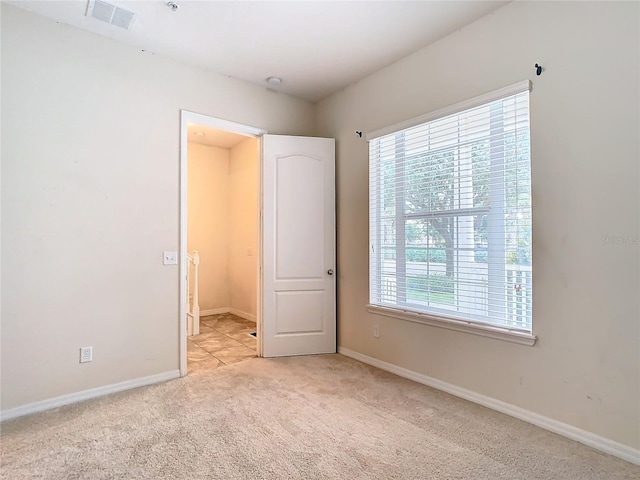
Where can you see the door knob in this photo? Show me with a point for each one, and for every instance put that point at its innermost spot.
(330, 272)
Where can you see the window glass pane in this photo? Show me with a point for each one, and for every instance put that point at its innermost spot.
(429, 181)
(480, 163)
(426, 267)
(388, 237)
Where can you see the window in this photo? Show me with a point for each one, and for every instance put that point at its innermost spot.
(450, 214)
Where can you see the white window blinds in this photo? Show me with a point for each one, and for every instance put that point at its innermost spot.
(450, 213)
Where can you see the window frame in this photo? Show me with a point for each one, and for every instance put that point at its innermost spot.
(435, 317)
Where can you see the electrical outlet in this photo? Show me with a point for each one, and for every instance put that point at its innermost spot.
(376, 331)
(86, 354)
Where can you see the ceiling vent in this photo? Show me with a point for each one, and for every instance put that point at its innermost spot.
(106, 12)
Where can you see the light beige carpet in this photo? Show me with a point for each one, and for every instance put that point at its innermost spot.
(322, 417)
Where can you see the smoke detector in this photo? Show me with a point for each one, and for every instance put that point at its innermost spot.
(274, 81)
(109, 13)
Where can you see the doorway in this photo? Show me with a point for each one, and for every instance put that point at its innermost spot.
(296, 285)
(220, 233)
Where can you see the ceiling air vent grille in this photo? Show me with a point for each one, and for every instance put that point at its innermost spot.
(106, 12)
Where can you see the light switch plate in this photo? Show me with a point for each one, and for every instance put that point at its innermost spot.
(169, 258)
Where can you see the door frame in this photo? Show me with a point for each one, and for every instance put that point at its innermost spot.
(187, 117)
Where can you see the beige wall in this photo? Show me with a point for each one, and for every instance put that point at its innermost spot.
(90, 200)
(208, 221)
(585, 368)
(243, 227)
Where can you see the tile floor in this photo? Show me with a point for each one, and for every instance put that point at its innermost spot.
(223, 339)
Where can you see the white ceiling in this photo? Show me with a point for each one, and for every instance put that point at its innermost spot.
(316, 47)
(213, 137)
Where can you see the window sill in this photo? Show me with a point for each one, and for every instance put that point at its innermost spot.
(458, 325)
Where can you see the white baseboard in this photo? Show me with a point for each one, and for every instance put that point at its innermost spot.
(214, 311)
(242, 314)
(235, 311)
(86, 395)
(598, 442)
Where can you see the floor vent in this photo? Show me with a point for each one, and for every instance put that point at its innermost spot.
(106, 12)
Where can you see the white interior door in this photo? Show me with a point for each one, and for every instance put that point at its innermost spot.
(298, 260)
